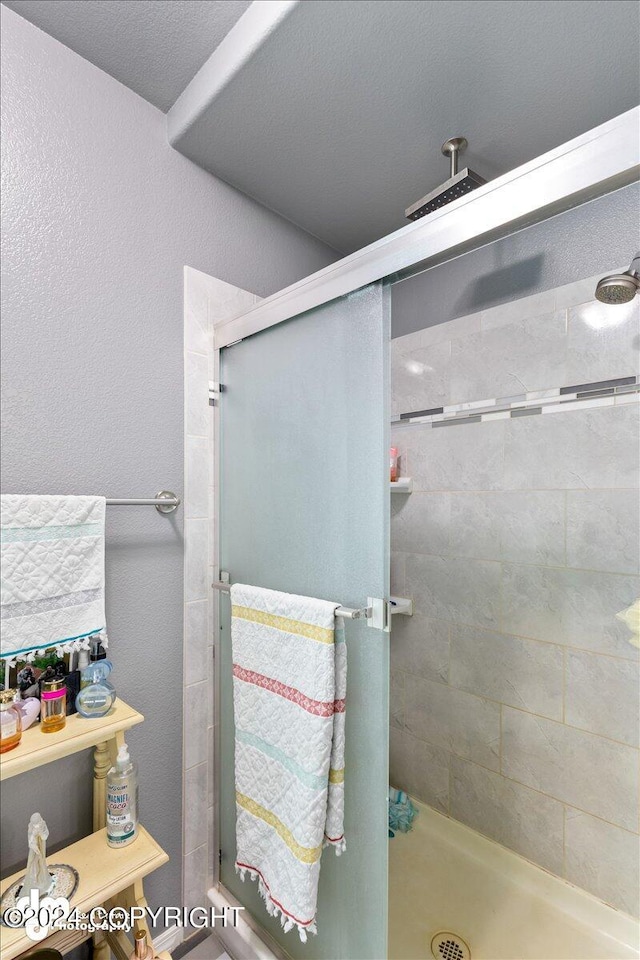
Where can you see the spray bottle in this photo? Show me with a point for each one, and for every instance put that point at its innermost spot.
(122, 800)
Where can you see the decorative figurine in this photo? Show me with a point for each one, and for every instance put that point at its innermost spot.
(37, 876)
(45, 879)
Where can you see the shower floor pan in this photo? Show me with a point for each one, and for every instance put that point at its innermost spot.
(487, 902)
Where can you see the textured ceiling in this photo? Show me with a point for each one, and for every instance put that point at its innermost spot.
(336, 118)
(152, 46)
(336, 121)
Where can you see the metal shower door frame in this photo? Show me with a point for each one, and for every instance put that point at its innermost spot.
(598, 162)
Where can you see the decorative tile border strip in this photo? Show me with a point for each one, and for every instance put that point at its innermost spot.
(599, 394)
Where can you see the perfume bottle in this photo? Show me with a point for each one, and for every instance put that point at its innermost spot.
(141, 950)
(97, 693)
(53, 713)
(96, 699)
(10, 721)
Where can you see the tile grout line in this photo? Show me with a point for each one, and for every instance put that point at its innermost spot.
(521, 783)
(528, 713)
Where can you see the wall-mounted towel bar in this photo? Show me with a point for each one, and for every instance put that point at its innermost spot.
(165, 502)
(347, 612)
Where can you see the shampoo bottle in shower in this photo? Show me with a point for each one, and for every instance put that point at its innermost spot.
(122, 801)
(394, 464)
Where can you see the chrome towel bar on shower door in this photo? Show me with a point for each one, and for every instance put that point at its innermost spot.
(347, 612)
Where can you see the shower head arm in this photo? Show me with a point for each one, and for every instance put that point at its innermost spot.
(453, 148)
(634, 266)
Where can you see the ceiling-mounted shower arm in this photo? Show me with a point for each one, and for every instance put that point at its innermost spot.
(452, 148)
(459, 182)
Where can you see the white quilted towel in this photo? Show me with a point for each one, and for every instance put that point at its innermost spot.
(289, 687)
(52, 574)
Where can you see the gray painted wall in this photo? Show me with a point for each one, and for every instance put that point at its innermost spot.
(600, 235)
(100, 215)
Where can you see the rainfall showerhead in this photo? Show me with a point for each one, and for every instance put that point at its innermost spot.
(620, 287)
(456, 186)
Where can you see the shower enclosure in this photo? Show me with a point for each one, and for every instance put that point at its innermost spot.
(304, 507)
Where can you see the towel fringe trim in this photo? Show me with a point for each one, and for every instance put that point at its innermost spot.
(67, 646)
(339, 846)
(273, 909)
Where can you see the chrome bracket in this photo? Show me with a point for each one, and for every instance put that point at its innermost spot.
(167, 507)
(378, 617)
(399, 605)
(381, 611)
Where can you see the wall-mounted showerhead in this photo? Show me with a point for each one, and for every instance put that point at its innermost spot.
(620, 287)
(456, 186)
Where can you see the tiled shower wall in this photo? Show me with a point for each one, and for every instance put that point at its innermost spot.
(514, 685)
(207, 301)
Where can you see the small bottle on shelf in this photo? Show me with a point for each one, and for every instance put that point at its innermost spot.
(394, 465)
(122, 800)
(53, 712)
(10, 721)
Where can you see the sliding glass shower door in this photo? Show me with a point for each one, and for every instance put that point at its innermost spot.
(304, 505)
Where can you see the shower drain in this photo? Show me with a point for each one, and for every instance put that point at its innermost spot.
(449, 946)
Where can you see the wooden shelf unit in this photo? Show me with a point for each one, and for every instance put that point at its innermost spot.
(103, 873)
(108, 877)
(37, 748)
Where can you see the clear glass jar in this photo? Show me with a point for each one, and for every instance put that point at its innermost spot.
(10, 721)
(53, 711)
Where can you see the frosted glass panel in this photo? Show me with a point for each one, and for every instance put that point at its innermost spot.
(304, 509)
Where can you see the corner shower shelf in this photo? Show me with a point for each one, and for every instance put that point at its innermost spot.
(37, 748)
(402, 485)
(103, 871)
(107, 876)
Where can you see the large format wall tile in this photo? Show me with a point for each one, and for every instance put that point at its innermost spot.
(419, 768)
(456, 589)
(519, 547)
(535, 305)
(397, 574)
(602, 530)
(523, 673)
(594, 447)
(396, 698)
(459, 457)
(586, 771)
(520, 526)
(196, 710)
(520, 818)
(196, 586)
(603, 859)
(603, 695)
(523, 355)
(421, 646)
(419, 376)
(601, 344)
(420, 523)
(197, 416)
(195, 807)
(453, 720)
(573, 607)
(198, 468)
(196, 641)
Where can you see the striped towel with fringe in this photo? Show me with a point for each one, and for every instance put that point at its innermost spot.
(289, 688)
